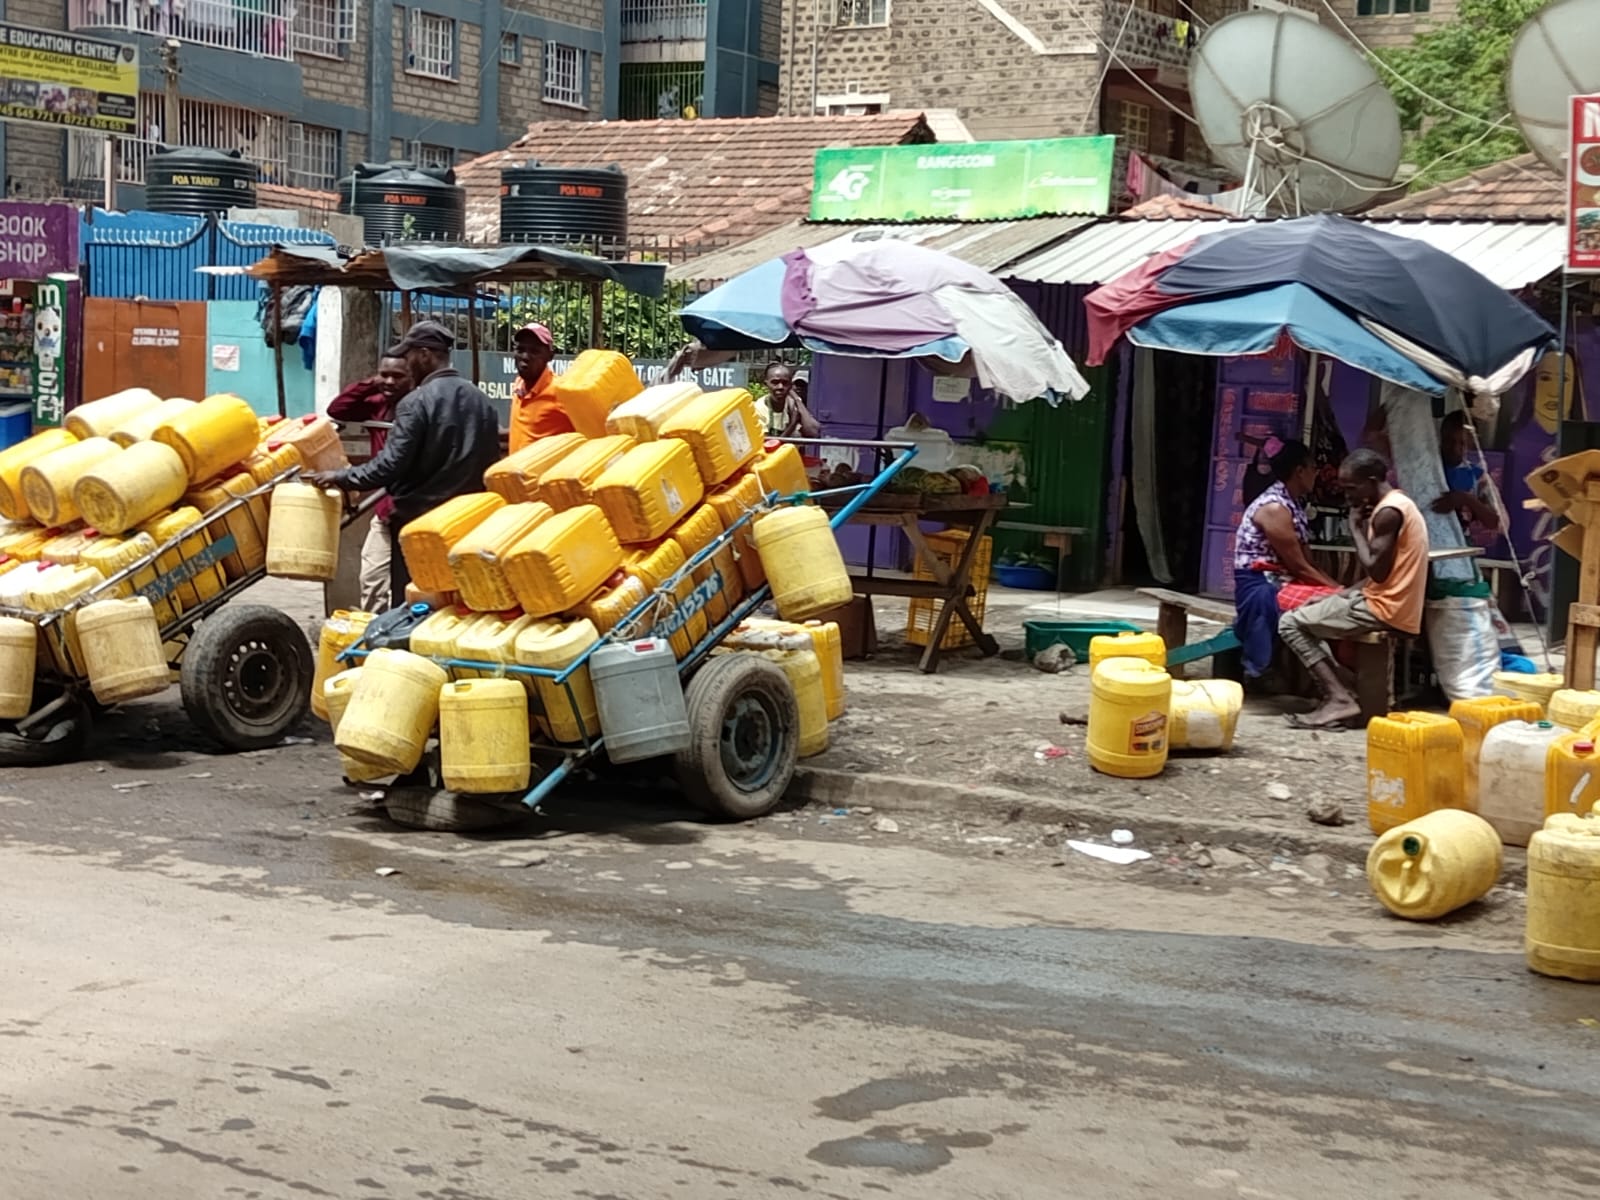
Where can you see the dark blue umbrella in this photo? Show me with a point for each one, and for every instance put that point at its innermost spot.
(1412, 294)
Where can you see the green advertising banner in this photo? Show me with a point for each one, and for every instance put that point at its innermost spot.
(50, 339)
(963, 181)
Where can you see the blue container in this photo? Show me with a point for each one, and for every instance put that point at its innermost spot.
(1039, 579)
(16, 423)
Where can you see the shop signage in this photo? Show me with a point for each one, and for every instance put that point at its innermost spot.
(498, 371)
(37, 239)
(963, 181)
(48, 77)
(51, 313)
(1583, 186)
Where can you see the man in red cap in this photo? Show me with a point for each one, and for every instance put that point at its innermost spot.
(535, 413)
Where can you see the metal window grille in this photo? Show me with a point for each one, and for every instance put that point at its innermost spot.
(258, 27)
(510, 50)
(260, 137)
(863, 12)
(661, 91)
(431, 45)
(563, 74)
(313, 157)
(324, 27)
(1133, 125)
(663, 20)
(426, 154)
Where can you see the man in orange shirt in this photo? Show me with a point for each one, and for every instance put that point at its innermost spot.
(1391, 542)
(535, 413)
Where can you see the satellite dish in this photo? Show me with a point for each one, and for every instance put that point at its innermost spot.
(1295, 111)
(1555, 56)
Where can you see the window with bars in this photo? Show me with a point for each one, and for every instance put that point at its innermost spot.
(313, 157)
(324, 27)
(1386, 8)
(427, 154)
(1133, 125)
(259, 136)
(563, 75)
(430, 45)
(510, 50)
(859, 13)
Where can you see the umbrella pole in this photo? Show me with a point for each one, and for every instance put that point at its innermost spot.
(883, 403)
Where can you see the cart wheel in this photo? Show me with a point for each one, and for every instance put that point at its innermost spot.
(246, 676)
(744, 737)
(61, 741)
(424, 807)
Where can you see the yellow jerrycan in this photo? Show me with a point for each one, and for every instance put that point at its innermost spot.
(317, 440)
(101, 418)
(303, 535)
(483, 736)
(802, 562)
(1563, 930)
(14, 459)
(649, 490)
(1205, 714)
(1130, 701)
(1128, 644)
(336, 692)
(1415, 765)
(805, 677)
(641, 417)
(139, 427)
(722, 429)
(213, 435)
(569, 712)
(492, 640)
(740, 495)
(1431, 866)
(515, 478)
(339, 632)
(1571, 778)
(1536, 688)
(613, 600)
(130, 487)
(478, 560)
(561, 560)
(247, 523)
(1572, 708)
(122, 649)
(440, 635)
(425, 542)
(828, 644)
(1477, 716)
(778, 469)
(19, 653)
(392, 711)
(595, 383)
(48, 482)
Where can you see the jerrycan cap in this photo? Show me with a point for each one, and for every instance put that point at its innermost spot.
(1412, 845)
(1544, 724)
(1583, 747)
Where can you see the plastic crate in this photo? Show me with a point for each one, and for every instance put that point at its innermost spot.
(949, 546)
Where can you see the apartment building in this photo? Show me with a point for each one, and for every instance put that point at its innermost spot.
(1382, 24)
(682, 59)
(306, 88)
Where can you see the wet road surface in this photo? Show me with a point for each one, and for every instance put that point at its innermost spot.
(208, 991)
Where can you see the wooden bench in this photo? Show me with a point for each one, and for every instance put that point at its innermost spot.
(1375, 652)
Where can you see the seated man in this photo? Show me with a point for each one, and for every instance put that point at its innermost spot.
(1391, 542)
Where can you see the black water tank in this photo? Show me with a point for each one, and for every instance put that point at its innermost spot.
(195, 181)
(398, 202)
(563, 204)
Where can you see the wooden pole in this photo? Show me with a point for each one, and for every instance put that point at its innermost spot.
(597, 339)
(277, 346)
(472, 338)
(405, 311)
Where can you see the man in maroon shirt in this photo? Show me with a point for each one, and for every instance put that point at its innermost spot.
(374, 399)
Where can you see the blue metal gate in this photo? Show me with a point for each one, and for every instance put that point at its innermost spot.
(156, 256)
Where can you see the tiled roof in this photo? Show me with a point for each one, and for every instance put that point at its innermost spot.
(1165, 208)
(1520, 189)
(719, 181)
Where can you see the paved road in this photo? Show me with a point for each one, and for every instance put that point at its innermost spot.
(207, 991)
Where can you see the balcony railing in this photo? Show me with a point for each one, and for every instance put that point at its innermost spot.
(256, 27)
(663, 20)
(1147, 39)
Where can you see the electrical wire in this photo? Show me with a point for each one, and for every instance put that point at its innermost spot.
(1105, 70)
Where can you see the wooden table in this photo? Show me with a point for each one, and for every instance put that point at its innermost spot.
(951, 586)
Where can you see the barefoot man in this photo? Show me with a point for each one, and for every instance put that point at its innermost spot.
(1392, 548)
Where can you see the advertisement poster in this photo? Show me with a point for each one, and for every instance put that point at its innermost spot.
(1583, 186)
(48, 77)
(50, 315)
(963, 181)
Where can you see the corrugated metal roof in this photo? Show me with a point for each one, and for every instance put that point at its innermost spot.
(991, 245)
(1513, 254)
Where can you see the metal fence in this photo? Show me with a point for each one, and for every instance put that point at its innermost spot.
(158, 257)
(661, 91)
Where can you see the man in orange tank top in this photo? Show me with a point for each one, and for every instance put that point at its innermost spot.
(1391, 542)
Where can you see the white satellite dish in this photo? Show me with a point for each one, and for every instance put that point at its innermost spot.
(1295, 111)
(1555, 56)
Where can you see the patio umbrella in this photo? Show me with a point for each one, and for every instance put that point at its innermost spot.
(889, 299)
(1253, 323)
(1427, 304)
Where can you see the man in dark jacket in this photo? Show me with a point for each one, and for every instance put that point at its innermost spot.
(446, 434)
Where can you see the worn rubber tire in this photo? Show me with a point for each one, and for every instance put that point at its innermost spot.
(246, 676)
(744, 737)
(419, 806)
(65, 740)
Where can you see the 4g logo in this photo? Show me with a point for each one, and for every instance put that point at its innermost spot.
(849, 184)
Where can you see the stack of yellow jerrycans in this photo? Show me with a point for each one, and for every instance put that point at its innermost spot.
(569, 537)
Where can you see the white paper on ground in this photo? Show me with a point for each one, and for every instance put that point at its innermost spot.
(1121, 855)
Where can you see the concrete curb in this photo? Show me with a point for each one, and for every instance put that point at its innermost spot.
(902, 794)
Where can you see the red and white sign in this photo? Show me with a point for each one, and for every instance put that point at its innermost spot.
(1583, 186)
